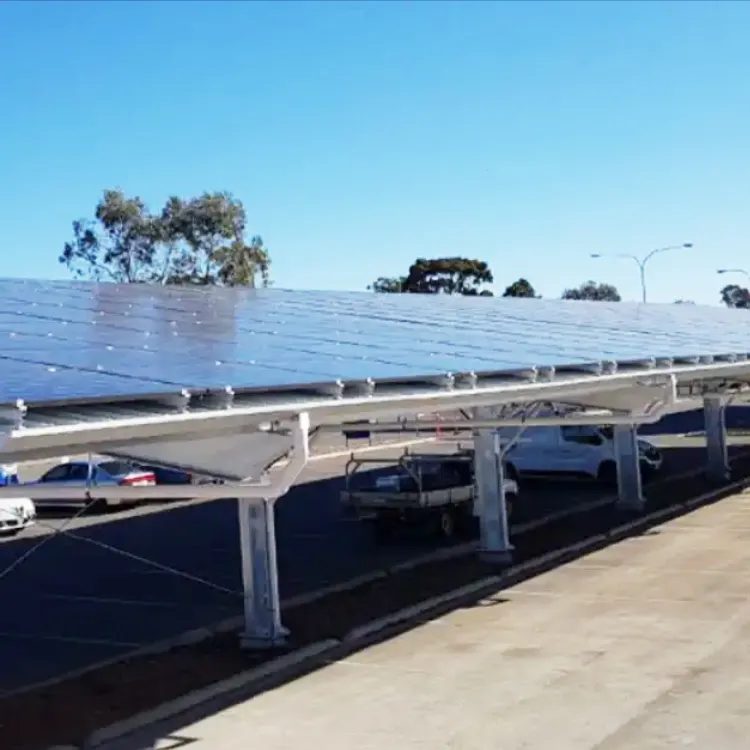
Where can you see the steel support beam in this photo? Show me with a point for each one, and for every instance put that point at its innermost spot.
(38, 432)
(582, 418)
(629, 487)
(260, 578)
(717, 456)
(276, 485)
(495, 543)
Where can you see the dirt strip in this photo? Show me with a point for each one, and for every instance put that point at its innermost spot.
(67, 712)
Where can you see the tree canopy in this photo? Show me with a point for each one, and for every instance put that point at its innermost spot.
(520, 288)
(385, 285)
(439, 276)
(200, 241)
(591, 290)
(733, 295)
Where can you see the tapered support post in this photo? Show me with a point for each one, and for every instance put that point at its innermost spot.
(629, 486)
(260, 578)
(717, 454)
(260, 575)
(494, 530)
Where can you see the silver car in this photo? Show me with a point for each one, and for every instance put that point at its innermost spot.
(104, 473)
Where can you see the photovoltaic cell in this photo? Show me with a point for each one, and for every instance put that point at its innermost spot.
(66, 340)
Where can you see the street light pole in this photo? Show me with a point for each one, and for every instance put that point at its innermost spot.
(734, 270)
(642, 268)
(641, 262)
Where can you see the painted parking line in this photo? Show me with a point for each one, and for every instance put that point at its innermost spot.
(69, 639)
(111, 601)
(148, 572)
(217, 551)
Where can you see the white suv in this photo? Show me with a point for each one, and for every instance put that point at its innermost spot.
(574, 451)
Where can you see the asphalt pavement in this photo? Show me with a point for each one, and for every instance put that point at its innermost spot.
(93, 594)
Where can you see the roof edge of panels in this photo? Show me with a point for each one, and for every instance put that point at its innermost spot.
(186, 407)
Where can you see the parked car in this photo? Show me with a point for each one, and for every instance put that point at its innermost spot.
(16, 513)
(104, 473)
(582, 451)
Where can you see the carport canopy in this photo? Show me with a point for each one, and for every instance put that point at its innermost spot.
(209, 380)
(189, 378)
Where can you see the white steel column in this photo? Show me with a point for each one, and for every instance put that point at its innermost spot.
(260, 579)
(493, 516)
(629, 488)
(717, 459)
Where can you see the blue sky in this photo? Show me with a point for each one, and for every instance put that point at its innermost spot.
(362, 135)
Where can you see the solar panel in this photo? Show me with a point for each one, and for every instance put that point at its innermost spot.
(67, 340)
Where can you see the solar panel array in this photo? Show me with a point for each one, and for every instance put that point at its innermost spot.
(68, 340)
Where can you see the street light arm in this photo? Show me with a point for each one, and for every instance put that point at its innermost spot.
(641, 262)
(657, 251)
(630, 257)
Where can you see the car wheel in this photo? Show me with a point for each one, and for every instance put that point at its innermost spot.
(447, 524)
(100, 505)
(607, 473)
